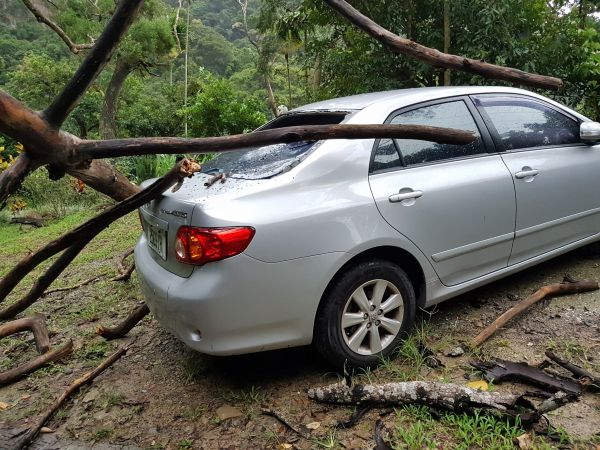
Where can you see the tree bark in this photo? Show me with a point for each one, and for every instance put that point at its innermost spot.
(19, 372)
(447, 74)
(439, 59)
(108, 115)
(12, 178)
(448, 396)
(124, 327)
(145, 146)
(36, 324)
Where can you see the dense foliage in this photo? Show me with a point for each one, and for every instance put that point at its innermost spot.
(246, 58)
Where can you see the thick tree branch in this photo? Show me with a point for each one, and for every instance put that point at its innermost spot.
(436, 58)
(94, 62)
(75, 240)
(124, 327)
(12, 177)
(42, 143)
(39, 15)
(19, 372)
(145, 146)
(36, 324)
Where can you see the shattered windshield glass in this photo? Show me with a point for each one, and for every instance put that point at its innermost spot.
(257, 163)
(271, 160)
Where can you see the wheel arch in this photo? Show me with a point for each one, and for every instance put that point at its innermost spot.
(396, 255)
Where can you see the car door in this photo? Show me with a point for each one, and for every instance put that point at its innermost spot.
(455, 202)
(555, 174)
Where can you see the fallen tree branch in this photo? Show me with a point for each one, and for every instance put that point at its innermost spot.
(564, 288)
(12, 177)
(436, 58)
(124, 272)
(448, 396)
(124, 327)
(500, 370)
(25, 439)
(70, 288)
(39, 15)
(380, 443)
(75, 240)
(36, 324)
(277, 415)
(577, 371)
(94, 63)
(19, 372)
(173, 145)
(125, 275)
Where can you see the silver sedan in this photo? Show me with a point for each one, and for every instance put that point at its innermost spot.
(337, 243)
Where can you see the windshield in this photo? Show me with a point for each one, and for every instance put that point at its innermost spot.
(271, 160)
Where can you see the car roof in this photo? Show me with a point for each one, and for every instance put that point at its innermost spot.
(408, 96)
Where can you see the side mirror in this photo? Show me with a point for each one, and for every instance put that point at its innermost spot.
(589, 131)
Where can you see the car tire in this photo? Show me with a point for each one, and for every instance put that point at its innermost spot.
(365, 315)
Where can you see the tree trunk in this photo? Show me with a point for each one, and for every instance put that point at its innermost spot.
(270, 96)
(447, 77)
(108, 116)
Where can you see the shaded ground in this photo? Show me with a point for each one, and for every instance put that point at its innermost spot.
(163, 395)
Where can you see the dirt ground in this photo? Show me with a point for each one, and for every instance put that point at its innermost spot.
(163, 395)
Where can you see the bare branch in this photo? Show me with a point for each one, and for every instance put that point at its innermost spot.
(19, 372)
(36, 324)
(94, 62)
(39, 15)
(436, 58)
(145, 146)
(124, 327)
(12, 177)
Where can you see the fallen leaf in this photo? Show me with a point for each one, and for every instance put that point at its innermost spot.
(524, 441)
(285, 446)
(228, 412)
(4, 406)
(481, 385)
(46, 430)
(25, 397)
(313, 425)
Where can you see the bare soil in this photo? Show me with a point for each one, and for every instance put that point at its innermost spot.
(164, 395)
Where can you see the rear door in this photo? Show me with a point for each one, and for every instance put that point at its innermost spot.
(555, 174)
(456, 203)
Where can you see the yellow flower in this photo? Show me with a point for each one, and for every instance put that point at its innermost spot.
(19, 147)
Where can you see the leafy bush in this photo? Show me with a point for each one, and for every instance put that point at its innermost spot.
(57, 198)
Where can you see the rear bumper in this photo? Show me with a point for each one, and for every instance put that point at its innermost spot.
(238, 305)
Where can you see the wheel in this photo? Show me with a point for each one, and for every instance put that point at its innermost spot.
(365, 315)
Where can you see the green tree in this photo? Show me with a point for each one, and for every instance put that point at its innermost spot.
(219, 109)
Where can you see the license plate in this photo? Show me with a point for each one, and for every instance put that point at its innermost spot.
(157, 240)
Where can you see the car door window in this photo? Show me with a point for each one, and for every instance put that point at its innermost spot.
(386, 156)
(453, 114)
(524, 123)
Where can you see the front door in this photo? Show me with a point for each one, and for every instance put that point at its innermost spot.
(555, 174)
(456, 203)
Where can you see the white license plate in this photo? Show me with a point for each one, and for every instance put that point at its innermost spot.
(157, 240)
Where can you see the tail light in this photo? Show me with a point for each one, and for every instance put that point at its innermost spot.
(198, 246)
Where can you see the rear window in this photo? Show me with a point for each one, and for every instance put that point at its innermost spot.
(266, 162)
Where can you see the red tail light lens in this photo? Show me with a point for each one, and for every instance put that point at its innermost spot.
(201, 245)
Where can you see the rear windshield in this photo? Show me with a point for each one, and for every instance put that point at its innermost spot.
(271, 160)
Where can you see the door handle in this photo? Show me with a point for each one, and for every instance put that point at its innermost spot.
(395, 198)
(526, 172)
